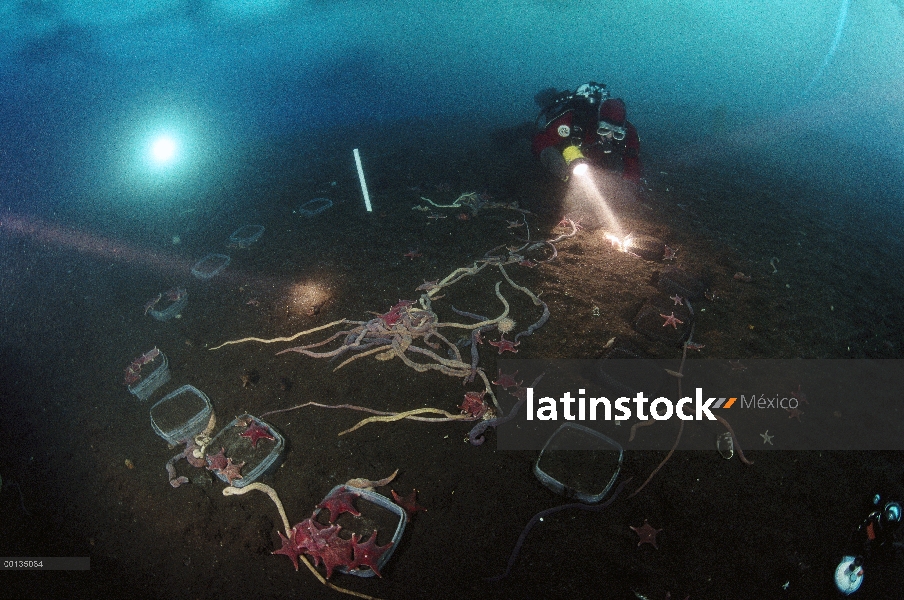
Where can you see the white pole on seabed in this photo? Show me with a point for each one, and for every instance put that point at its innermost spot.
(363, 183)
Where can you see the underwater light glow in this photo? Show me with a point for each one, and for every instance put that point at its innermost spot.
(163, 157)
(306, 298)
(581, 169)
(163, 150)
(617, 242)
(594, 200)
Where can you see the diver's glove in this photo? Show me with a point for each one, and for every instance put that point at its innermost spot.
(554, 162)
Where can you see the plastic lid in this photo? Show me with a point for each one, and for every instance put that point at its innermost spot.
(246, 235)
(172, 310)
(579, 463)
(314, 207)
(181, 414)
(210, 266)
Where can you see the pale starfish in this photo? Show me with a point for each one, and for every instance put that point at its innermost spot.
(671, 320)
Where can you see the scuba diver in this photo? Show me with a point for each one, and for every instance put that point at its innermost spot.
(583, 127)
(875, 536)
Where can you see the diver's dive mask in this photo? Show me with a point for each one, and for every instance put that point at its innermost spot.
(608, 130)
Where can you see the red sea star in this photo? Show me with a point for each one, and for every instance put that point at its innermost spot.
(506, 381)
(391, 318)
(255, 432)
(288, 547)
(232, 471)
(647, 534)
(671, 320)
(409, 503)
(217, 462)
(474, 404)
(505, 345)
(799, 395)
(394, 314)
(340, 501)
(368, 554)
(323, 543)
(795, 413)
(336, 553)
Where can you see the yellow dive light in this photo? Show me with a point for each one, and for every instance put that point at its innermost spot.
(571, 153)
(574, 156)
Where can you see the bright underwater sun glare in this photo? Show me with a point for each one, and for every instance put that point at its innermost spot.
(163, 150)
(162, 156)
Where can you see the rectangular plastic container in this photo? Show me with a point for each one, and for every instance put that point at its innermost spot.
(314, 207)
(245, 235)
(181, 414)
(348, 523)
(258, 459)
(170, 311)
(149, 383)
(576, 461)
(210, 266)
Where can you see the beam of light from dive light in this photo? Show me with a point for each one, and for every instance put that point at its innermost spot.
(592, 193)
(50, 234)
(305, 298)
(839, 30)
(581, 170)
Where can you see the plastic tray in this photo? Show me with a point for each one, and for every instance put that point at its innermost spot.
(181, 414)
(382, 502)
(580, 449)
(210, 266)
(170, 311)
(257, 459)
(314, 207)
(245, 235)
(149, 383)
